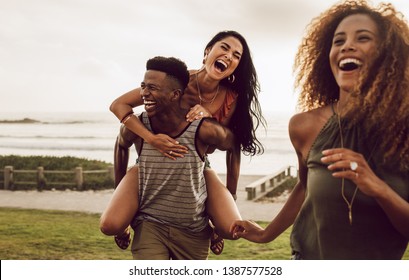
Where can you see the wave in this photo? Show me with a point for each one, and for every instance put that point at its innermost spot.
(103, 147)
(93, 136)
(35, 121)
(55, 137)
(29, 147)
(280, 150)
(67, 122)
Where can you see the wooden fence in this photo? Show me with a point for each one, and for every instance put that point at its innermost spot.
(254, 191)
(77, 181)
(268, 183)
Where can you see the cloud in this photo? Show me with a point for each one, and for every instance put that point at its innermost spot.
(57, 53)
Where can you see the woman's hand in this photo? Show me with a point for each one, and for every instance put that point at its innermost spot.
(197, 112)
(353, 166)
(168, 146)
(247, 229)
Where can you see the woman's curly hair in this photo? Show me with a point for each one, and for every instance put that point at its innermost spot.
(381, 99)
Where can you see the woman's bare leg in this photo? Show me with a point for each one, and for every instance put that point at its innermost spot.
(122, 206)
(220, 204)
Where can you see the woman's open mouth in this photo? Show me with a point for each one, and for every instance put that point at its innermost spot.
(349, 64)
(220, 65)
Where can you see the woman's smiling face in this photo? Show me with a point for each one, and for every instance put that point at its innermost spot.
(354, 46)
(223, 57)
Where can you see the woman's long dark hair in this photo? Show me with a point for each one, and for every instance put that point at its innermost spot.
(247, 117)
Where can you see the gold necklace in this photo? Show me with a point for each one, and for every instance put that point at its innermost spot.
(200, 95)
(349, 203)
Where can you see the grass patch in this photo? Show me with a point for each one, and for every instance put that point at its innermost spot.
(54, 235)
(62, 235)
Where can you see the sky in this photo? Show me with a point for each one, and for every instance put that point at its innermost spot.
(79, 55)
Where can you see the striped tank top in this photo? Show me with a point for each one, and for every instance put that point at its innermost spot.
(173, 192)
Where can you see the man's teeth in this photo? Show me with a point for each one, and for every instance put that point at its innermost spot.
(149, 103)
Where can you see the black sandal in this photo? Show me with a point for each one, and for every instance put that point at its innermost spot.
(216, 244)
(124, 240)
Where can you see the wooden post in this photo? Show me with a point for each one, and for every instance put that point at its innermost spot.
(79, 179)
(278, 177)
(272, 182)
(251, 193)
(40, 178)
(263, 187)
(8, 177)
(111, 172)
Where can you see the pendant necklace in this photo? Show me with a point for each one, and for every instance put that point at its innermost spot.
(349, 203)
(200, 95)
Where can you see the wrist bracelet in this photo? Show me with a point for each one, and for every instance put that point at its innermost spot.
(126, 117)
(124, 120)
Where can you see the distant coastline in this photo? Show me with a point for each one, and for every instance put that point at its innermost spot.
(32, 121)
(25, 120)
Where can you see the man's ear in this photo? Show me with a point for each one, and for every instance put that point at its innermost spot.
(176, 94)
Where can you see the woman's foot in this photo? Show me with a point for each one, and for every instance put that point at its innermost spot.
(123, 240)
(216, 244)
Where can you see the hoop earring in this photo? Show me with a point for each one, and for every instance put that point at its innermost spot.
(231, 78)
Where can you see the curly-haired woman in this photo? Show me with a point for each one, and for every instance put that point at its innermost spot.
(352, 198)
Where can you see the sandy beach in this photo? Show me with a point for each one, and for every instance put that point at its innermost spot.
(96, 201)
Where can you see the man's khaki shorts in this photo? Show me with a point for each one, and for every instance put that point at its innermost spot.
(154, 241)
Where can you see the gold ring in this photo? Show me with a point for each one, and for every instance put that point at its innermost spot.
(201, 113)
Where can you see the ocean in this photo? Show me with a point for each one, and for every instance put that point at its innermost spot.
(92, 136)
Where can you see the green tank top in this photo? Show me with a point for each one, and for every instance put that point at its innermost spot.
(322, 229)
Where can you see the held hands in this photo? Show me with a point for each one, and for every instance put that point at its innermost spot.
(168, 146)
(353, 166)
(248, 230)
(197, 112)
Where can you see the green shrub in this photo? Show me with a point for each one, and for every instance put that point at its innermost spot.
(52, 163)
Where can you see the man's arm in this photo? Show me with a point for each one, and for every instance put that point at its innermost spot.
(233, 170)
(124, 141)
(122, 109)
(213, 134)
